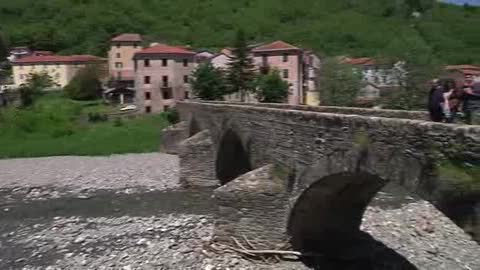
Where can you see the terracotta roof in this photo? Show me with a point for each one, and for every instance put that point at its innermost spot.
(475, 72)
(275, 46)
(165, 49)
(359, 61)
(128, 37)
(56, 59)
(38, 53)
(461, 67)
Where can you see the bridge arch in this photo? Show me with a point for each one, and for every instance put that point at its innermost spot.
(327, 215)
(232, 159)
(193, 127)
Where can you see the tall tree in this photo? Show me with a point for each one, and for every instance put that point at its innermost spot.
(32, 89)
(271, 88)
(85, 85)
(419, 66)
(241, 73)
(340, 83)
(208, 82)
(3, 48)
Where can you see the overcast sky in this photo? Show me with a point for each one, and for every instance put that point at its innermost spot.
(461, 2)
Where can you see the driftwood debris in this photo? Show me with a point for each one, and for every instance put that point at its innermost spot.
(266, 255)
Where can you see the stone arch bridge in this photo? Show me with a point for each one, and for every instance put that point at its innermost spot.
(304, 175)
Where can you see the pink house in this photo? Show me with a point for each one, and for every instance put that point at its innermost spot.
(298, 67)
(162, 76)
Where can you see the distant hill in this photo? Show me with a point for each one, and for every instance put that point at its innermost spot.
(332, 27)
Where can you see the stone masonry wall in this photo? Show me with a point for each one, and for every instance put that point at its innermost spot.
(414, 115)
(197, 161)
(317, 144)
(253, 210)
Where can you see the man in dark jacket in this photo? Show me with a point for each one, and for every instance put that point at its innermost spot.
(435, 101)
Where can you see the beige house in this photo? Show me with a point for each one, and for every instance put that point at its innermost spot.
(120, 56)
(162, 75)
(60, 68)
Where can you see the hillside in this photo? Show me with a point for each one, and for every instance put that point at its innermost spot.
(332, 27)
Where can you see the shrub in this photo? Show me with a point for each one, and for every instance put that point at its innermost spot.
(85, 85)
(97, 117)
(172, 116)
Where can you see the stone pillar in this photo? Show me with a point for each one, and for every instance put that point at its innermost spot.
(254, 206)
(172, 136)
(197, 161)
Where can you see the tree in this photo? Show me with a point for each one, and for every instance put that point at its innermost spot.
(271, 88)
(340, 83)
(419, 67)
(32, 89)
(3, 48)
(85, 85)
(241, 74)
(208, 82)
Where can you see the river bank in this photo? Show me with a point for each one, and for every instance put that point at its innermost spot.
(128, 212)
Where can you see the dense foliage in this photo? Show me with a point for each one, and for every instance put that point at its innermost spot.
(340, 83)
(33, 88)
(341, 27)
(272, 88)
(208, 82)
(85, 85)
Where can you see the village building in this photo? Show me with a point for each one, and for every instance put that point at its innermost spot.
(462, 73)
(17, 53)
(60, 68)
(120, 58)
(298, 67)
(378, 77)
(162, 75)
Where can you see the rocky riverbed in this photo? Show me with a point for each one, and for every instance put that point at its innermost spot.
(128, 212)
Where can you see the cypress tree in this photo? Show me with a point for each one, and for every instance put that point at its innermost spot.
(241, 73)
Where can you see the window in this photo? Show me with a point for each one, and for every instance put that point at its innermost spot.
(187, 95)
(146, 62)
(164, 62)
(185, 78)
(185, 62)
(119, 65)
(148, 96)
(165, 81)
(118, 45)
(264, 60)
(135, 45)
(166, 108)
(119, 55)
(146, 80)
(148, 109)
(285, 57)
(285, 73)
(135, 65)
(167, 93)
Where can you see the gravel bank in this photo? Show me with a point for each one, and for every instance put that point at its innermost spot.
(126, 212)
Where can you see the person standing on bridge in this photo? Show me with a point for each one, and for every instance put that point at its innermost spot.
(436, 101)
(472, 102)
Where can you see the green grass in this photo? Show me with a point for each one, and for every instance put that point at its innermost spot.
(59, 126)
